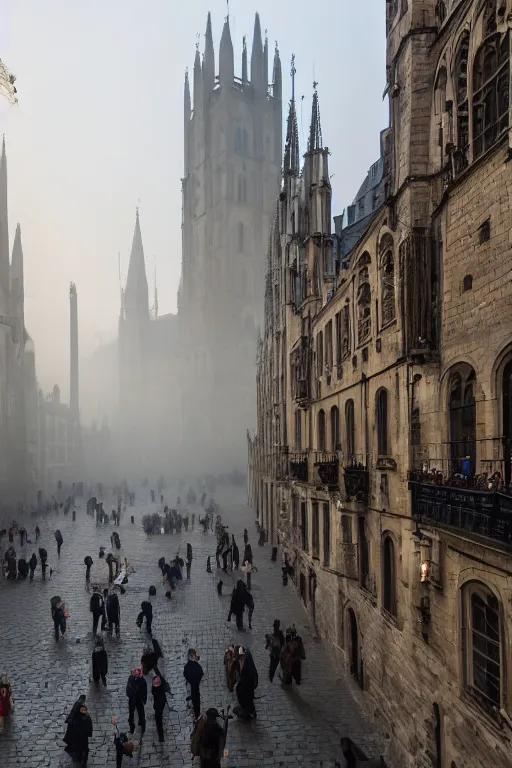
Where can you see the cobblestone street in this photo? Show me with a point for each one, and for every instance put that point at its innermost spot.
(295, 726)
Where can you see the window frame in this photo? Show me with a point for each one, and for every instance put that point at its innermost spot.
(315, 530)
(382, 422)
(389, 575)
(326, 531)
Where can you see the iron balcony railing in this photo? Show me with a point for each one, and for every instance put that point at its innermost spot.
(327, 466)
(357, 478)
(298, 467)
(487, 514)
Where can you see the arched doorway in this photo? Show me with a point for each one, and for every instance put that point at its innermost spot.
(355, 661)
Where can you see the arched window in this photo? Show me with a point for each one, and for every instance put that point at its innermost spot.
(483, 645)
(298, 429)
(440, 12)
(491, 74)
(382, 419)
(440, 92)
(467, 283)
(322, 437)
(364, 300)
(389, 576)
(335, 427)
(350, 429)
(462, 414)
(387, 279)
(240, 237)
(461, 79)
(320, 354)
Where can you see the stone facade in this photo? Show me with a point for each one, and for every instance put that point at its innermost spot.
(385, 402)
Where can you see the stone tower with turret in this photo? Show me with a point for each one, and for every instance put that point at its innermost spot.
(232, 163)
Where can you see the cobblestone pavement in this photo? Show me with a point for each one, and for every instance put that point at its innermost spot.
(295, 726)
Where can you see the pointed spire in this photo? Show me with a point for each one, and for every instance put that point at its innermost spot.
(265, 62)
(277, 77)
(244, 60)
(315, 129)
(4, 225)
(17, 292)
(291, 151)
(209, 58)
(17, 258)
(198, 80)
(186, 98)
(226, 57)
(136, 302)
(257, 56)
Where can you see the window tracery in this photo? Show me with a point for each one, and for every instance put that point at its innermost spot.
(345, 331)
(461, 78)
(491, 73)
(387, 279)
(483, 645)
(440, 12)
(364, 298)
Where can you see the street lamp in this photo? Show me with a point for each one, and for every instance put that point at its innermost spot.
(7, 87)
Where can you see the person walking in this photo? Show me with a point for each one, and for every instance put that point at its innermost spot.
(146, 612)
(237, 605)
(274, 645)
(59, 540)
(189, 559)
(137, 692)
(97, 608)
(159, 702)
(77, 736)
(43, 556)
(88, 562)
(292, 656)
(193, 674)
(247, 684)
(235, 553)
(38, 532)
(247, 564)
(59, 615)
(113, 613)
(32, 564)
(99, 661)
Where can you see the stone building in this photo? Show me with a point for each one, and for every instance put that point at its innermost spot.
(191, 377)
(392, 423)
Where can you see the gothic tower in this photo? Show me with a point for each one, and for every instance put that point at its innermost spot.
(232, 142)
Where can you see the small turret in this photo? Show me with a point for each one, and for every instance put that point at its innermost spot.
(257, 57)
(136, 300)
(209, 59)
(291, 150)
(277, 76)
(186, 99)
(244, 61)
(265, 64)
(226, 58)
(198, 82)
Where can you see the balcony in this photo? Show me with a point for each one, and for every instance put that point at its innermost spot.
(298, 467)
(357, 479)
(327, 466)
(484, 513)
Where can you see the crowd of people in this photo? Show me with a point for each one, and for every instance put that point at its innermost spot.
(210, 728)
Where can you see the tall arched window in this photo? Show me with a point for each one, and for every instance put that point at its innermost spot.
(322, 437)
(335, 427)
(320, 354)
(483, 645)
(350, 430)
(440, 12)
(298, 429)
(387, 279)
(389, 576)
(382, 419)
(364, 299)
(491, 75)
(462, 414)
(461, 78)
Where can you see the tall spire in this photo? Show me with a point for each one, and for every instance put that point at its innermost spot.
(226, 57)
(17, 292)
(277, 77)
(291, 150)
(198, 81)
(244, 60)
(186, 98)
(4, 226)
(136, 301)
(73, 353)
(265, 62)
(257, 56)
(315, 129)
(209, 58)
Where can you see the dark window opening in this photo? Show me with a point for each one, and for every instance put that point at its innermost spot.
(315, 530)
(462, 417)
(483, 645)
(327, 534)
(346, 529)
(298, 429)
(491, 74)
(440, 12)
(350, 429)
(389, 577)
(364, 560)
(484, 232)
(322, 441)
(467, 283)
(304, 525)
(335, 428)
(382, 423)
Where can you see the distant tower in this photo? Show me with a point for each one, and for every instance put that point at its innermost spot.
(73, 354)
(233, 151)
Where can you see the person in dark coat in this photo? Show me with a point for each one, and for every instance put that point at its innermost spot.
(292, 656)
(235, 553)
(249, 602)
(58, 616)
(59, 540)
(22, 568)
(99, 661)
(113, 612)
(32, 564)
(238, 601)
(193, 674)
(246, 537)
(137, 692)
(97, 608)
(88, 561)
(208, 740)
(146, 612)
(43, 556)
(38, 532)
(189, 559)
(159, 702)
(247, 684)
(77, 736)
(274, 645)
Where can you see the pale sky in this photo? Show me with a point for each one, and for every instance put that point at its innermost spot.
(99, 126)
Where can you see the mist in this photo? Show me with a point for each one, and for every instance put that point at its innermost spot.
(98, 133)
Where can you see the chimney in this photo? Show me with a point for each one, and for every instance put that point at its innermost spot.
(73, 357)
